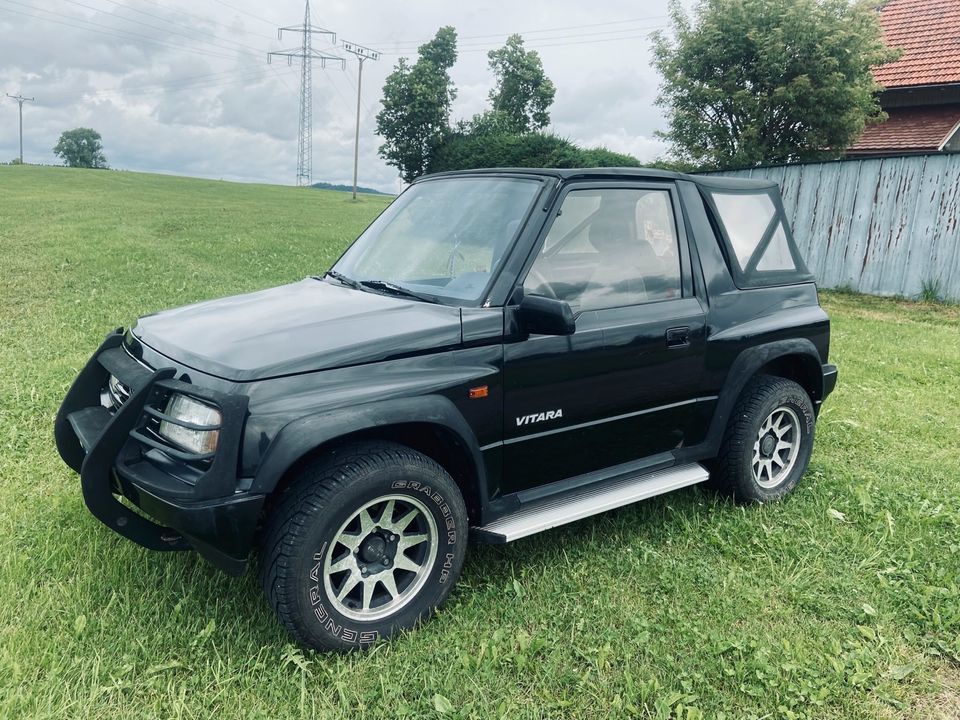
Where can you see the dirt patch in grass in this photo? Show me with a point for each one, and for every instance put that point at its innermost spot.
(945, 704)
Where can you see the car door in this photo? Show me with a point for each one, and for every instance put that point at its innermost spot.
(622, 387)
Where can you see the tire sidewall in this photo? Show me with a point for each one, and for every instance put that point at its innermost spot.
(321, 621)
(784, 394)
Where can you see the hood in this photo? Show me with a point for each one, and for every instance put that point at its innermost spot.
(301, 327)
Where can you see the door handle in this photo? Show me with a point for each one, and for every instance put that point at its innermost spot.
(678, 337)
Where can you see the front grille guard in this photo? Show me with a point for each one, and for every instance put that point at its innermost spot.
(119, 447)
(214, 474)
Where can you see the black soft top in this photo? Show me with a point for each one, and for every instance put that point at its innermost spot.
(712, 182)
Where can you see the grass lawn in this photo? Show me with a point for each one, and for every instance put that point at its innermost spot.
(842, 602)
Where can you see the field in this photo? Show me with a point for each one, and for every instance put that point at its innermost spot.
(842, 602)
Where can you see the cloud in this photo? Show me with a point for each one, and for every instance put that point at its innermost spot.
(183, 86)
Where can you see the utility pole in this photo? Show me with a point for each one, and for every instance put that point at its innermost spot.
(306, 54)
(363, 54)
(20, 101)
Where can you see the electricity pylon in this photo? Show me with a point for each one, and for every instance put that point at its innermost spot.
(306, 54)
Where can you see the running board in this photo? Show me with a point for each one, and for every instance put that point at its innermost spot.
(584, 502)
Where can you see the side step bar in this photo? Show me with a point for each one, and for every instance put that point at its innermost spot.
(584, 502)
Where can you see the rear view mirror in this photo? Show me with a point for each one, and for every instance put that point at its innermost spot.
(545, 316)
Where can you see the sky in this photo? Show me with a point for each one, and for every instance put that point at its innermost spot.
(183, 86)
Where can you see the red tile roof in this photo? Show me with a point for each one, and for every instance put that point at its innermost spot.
(928, 32)
(913, 129)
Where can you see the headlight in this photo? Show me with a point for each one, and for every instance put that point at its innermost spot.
(194, 434)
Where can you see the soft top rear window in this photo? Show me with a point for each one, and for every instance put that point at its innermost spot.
(757, 240)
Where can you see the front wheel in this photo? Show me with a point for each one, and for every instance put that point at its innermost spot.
(767, 444)
(367, 542)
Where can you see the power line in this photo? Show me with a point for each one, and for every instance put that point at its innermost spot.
(282, 78)
(20, 101)
(161, 85)
(336, 88)
(641, 36)
(539, 45)
(192, 82)
(541, 41)
(178, 86)
(180, 11)
(405, 43)
(271, 23)
(152, 27)
(110, 31)
(193, 30)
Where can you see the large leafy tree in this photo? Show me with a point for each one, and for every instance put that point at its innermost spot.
(748, 82)
(416, 105)
(81, 147)
(523, 93)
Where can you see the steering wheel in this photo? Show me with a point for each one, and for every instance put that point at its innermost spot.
(542, 284)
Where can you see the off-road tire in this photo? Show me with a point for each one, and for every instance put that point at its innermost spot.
(312, 511)
(734, 470)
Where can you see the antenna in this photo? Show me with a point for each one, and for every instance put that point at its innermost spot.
(363, 54)
(20, 101)
(306, 54)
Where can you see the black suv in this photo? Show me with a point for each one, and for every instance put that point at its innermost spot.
(499, 353)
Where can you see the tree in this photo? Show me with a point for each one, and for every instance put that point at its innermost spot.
(769, 81)
(467, 150)
(523, 93)
(416, 105)
(81, 147)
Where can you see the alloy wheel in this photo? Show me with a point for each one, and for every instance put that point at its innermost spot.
(776, 448)
(380, 557)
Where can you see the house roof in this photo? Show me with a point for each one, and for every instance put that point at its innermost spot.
(928, 32)
(910, 129)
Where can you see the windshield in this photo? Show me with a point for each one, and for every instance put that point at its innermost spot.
(442, 238)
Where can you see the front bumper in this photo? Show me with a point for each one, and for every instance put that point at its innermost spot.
(193, 499)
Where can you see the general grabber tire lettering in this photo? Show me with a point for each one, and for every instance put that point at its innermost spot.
(768, 441)
(366, 542)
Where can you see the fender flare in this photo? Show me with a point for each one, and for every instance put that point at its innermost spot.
(746, 366)
(305, 434)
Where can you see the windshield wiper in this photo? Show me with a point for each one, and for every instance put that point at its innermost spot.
(343, 279)
(394, 289)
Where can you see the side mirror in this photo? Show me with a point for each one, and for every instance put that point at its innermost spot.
(545, 316)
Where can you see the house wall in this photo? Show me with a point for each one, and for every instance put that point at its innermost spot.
(883, 226)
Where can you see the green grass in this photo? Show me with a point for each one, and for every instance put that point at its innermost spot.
(843, 601)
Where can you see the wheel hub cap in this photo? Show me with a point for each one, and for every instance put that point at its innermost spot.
(380, 557)
(767, 445)
(776, 448)
(374, 548)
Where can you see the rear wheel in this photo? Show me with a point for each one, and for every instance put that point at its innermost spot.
(768, 441)
(367, 542)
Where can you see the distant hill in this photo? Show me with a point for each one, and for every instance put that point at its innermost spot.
(346, 188)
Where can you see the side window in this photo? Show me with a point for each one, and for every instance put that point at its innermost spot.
(609, 248)
(746, 218)
(572, 224)
(777, 256)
